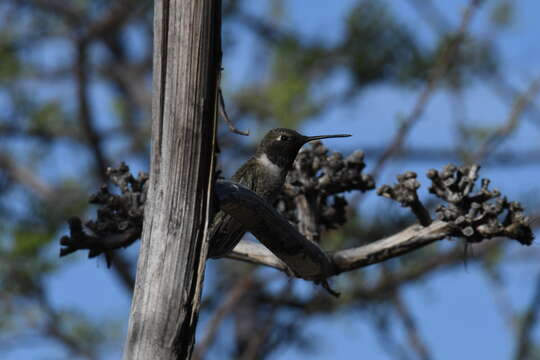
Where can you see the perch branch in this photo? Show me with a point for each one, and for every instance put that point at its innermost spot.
(410, 239)
(469, 214)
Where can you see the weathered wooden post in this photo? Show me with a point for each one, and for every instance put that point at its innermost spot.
(187, 54)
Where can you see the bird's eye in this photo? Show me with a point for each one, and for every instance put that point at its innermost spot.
(283, 138)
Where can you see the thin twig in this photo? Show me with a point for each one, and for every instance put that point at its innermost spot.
(413, 334)
(227, 305)
(85, 116)
(502, 300)
(525, 343)
(24, 176)
(520, 105)
(256, 342)
(439, 70)
(117, 16)
(382, 289)
(92, 135)
(60, 8)
(54, 329)
(507, 93)
(497, 84)
(431, 15)
(429, 154)
(223, 114)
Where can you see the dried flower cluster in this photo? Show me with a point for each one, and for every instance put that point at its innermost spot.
(311, 201)
(119, 217)
(318, 178)
(404, 192)
(474, 216)
(477, 216)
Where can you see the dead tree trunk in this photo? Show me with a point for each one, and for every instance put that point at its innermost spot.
(170, 269)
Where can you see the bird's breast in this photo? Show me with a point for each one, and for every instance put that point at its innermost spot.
(271, 178)
(269, 167)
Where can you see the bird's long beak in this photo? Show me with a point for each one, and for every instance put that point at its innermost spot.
(319, 137)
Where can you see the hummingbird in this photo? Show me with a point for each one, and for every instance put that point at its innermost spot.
(264, 173)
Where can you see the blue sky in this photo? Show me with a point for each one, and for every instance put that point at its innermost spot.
(455, 310)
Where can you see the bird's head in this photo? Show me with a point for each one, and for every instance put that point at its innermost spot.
(282, 145)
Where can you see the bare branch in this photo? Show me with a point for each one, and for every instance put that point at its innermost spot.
(69, 13)
(413, 335)
(85, 115)
(53, 328)
(524, 341)
(412, 238)
(439, 70)
(24, 176)
(501, 297)
(117, 15)
(257, 254)
(431, 15)
(227, 305)
(439, 23)
(431, 154)
(520, 105)
(253, 347)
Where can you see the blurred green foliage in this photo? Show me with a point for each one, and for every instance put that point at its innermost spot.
(375, 47)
